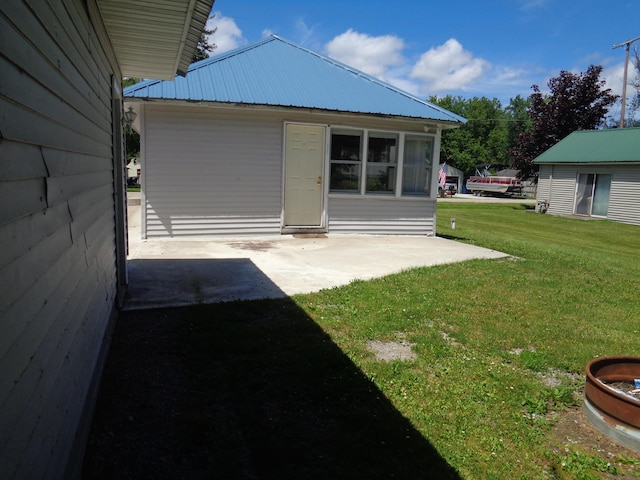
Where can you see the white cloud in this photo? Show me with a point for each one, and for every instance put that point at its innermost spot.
(227, 36)
(441, 70)
(372, 55)
(445, 68)
(614, 76)
(448, 67)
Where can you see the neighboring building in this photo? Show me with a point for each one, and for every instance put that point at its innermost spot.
(593, 173)
(273, 138)
(454, 177)
(62, 207)
(133, 172)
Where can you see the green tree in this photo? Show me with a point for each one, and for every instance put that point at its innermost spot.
(483, 139)
(205, 47)
(575, 102)
(131, 137)
(517, 117)
(634, 106)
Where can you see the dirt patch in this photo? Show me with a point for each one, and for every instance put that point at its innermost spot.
(389, 351)
(573, 432)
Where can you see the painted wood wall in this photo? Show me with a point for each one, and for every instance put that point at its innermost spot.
(557, 184)
(57, 233)
(218, 171)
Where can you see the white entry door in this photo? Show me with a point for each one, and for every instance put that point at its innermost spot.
(304, 160)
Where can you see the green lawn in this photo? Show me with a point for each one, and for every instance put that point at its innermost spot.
(289, 389)
(501, 345)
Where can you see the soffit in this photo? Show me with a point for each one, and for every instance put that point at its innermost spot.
(154, 38)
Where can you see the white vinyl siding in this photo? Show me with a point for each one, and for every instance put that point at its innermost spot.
(562, 190)
(57, 231)
(381, 216)
(218, 171)
(210, 174)
(558, 184)
(545, 177)
(624, 199)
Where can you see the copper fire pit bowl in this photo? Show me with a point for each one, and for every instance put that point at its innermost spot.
(614, 412)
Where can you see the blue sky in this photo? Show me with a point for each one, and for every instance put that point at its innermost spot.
(471, 48)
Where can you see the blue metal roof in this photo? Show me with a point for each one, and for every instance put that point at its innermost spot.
(277, 72)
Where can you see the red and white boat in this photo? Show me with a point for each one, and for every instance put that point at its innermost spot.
(504, 181)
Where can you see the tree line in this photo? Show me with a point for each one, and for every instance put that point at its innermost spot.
(514, 135)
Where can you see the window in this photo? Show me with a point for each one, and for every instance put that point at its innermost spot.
(416, 170)
(382, 160)
(369, 162)
(592, 194)
(346, 160)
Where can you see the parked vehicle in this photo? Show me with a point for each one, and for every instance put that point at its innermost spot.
(133, 172)
(450, 187)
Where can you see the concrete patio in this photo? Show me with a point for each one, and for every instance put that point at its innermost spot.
(178, 272)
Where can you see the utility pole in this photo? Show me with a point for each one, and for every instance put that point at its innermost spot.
(627, 45)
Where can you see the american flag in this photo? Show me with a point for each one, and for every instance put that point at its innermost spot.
(443, 175)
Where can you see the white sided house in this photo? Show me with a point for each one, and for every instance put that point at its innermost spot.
(273, 138)
(593, 173)
(62, 207)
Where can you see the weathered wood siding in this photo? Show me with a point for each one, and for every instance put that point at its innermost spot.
(57, 237)
(209, 173)
(377, 216)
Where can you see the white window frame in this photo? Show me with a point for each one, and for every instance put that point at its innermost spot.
(390, 163)
(363, 163)
(359, 163)
(593, 192)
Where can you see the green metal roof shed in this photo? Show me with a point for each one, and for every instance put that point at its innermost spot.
(593, 174)
(615, 145)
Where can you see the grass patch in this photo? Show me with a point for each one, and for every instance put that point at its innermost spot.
(290, 389)
(501, 345)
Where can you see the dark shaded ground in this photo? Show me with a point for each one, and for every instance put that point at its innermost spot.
(247, 390)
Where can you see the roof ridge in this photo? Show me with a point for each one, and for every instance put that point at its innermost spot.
(602, 130)
(371, 78)
(205, 62)
(383, 97)
(230, 53)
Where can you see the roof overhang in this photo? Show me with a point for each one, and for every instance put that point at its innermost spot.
(154, 38)
(430, 126)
